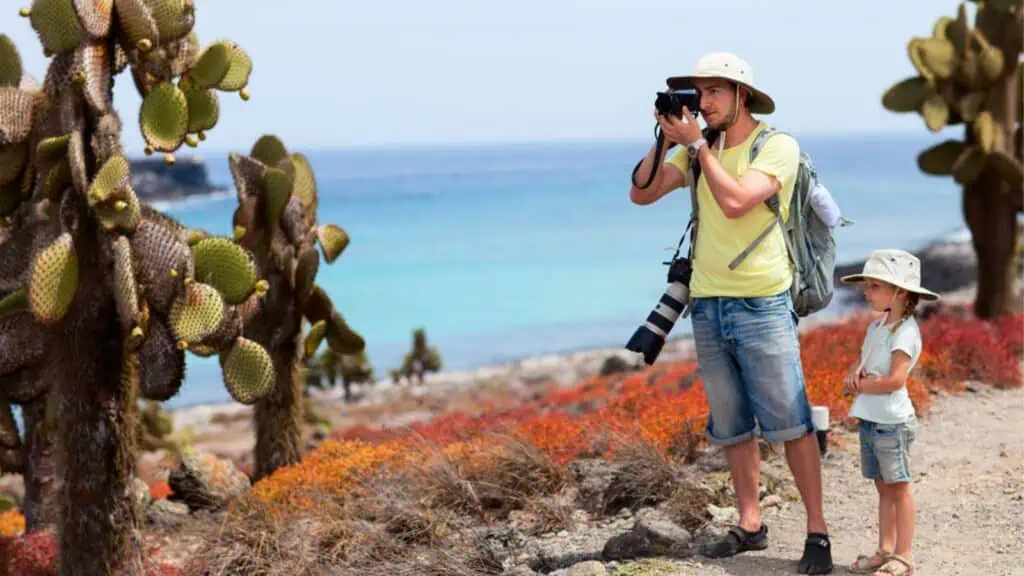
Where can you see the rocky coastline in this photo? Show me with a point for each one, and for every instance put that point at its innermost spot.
(155, 181)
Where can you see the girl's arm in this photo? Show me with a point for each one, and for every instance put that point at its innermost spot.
(899, 369)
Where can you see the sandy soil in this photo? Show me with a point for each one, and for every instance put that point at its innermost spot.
(968, 463)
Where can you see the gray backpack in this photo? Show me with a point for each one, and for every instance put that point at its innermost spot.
(809, 241)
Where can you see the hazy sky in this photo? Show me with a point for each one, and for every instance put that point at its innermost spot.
(342, 73)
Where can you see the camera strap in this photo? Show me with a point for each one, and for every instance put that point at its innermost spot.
(658, 149)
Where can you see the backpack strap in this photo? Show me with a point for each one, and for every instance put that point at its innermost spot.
(773, 204)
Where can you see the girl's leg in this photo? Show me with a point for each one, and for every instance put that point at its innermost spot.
(903, 500)
(887, 526)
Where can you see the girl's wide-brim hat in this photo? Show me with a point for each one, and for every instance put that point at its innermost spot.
(897, 267)
(728, 67)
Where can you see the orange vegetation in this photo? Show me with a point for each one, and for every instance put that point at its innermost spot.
(664, 404)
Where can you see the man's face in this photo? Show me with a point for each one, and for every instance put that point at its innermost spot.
(717, 100)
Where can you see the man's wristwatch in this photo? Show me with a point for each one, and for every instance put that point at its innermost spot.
(695, 147)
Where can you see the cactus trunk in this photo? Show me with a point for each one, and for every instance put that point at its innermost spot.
(279, 415)
(96, 410)
(994, 235)
(42, 481)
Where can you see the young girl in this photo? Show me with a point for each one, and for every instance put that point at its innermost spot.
(891, 281)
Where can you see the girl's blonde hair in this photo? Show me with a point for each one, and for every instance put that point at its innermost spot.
(908, 310)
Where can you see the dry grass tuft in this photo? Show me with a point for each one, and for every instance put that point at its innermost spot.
(646, 475)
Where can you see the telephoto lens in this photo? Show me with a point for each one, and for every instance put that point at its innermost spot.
(649, 338)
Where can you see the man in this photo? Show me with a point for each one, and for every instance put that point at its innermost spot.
(744, 324)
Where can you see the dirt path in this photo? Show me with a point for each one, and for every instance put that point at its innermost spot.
(969, 487)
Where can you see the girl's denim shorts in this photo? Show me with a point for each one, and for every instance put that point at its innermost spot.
(885, 450)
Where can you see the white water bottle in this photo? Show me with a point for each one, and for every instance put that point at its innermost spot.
(824, 206)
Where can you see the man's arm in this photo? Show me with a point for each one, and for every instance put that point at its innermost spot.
(668, 178)
(776, 162)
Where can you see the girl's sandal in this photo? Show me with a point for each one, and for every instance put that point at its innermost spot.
(867, 564)
(896, 565)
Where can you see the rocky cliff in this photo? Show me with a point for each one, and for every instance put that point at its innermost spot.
(154, 180)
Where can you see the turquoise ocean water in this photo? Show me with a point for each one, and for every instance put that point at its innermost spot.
(502, 251)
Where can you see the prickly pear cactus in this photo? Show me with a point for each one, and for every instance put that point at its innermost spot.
(421, 359)
(102, 296)
(972, 75)
(276, 221)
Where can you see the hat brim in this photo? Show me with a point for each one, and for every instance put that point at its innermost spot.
(924, 293)
(761, 104)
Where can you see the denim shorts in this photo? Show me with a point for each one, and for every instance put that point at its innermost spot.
(748, 353)
(885, 450)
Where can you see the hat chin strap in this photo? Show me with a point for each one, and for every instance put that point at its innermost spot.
(732, 121)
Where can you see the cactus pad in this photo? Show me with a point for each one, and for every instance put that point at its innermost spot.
(111, 181)
(56, 24)
(247, 172)
(985, 131)
(212, 65)
(333, 241)
(305, 272)
(156, 252)
(248, 371)
(294, 222)
(238, 73)
(16, 301)
(305, 184)
(138, 22)
(53, 280)
(341, 338)
(269, 150)
(313, 338)
(197, 313)
(227, 267)
(125, 290)
(936, 57)
(161, 363)
(203, 108)
(94, 15)
(939, 159)
(1008, 168)
(935, 112)
(13, 159)
(90, 64)
(318, 306)
(57, 180)
(277, 188)
(10, 63)
(15, 115)
(906, 95)
(21, 343)
(163, 117)
(174, 18)
(969, 165)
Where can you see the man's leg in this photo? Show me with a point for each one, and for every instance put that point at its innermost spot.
(745, 468)
(768, 354)
(805, 463)
(730, 425)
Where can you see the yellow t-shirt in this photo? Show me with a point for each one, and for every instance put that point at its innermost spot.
(766, 270)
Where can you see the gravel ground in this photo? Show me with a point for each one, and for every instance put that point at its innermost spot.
(968, 462)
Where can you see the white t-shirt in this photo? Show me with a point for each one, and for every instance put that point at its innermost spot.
(876, 357)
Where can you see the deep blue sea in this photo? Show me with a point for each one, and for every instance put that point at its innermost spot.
(502, 251)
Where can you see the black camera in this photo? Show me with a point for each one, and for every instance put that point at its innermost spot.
(649, 338)
(671, 103)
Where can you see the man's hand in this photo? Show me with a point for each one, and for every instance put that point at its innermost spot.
(683, 130)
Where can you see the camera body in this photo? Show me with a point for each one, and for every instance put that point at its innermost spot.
(671, 103)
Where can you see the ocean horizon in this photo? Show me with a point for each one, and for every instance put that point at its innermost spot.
(507, 250)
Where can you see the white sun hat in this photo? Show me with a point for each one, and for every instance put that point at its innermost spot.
(730, 67)
(897, 267)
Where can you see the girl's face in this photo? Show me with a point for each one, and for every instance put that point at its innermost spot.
(880, 295)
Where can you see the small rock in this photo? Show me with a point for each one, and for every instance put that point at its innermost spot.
(166, 514)
(771, 501)
(588, 568)
(204, 481)
(727, 515)
(519, 571)
(141, 492)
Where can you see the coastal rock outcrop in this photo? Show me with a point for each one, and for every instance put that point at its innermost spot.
(154, 180)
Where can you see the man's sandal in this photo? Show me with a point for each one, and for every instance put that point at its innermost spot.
(736, 540)
(867, 564)
(896, 565)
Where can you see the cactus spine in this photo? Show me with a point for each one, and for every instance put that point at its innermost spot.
(972, 75)
(276, 221)
(100, 296)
